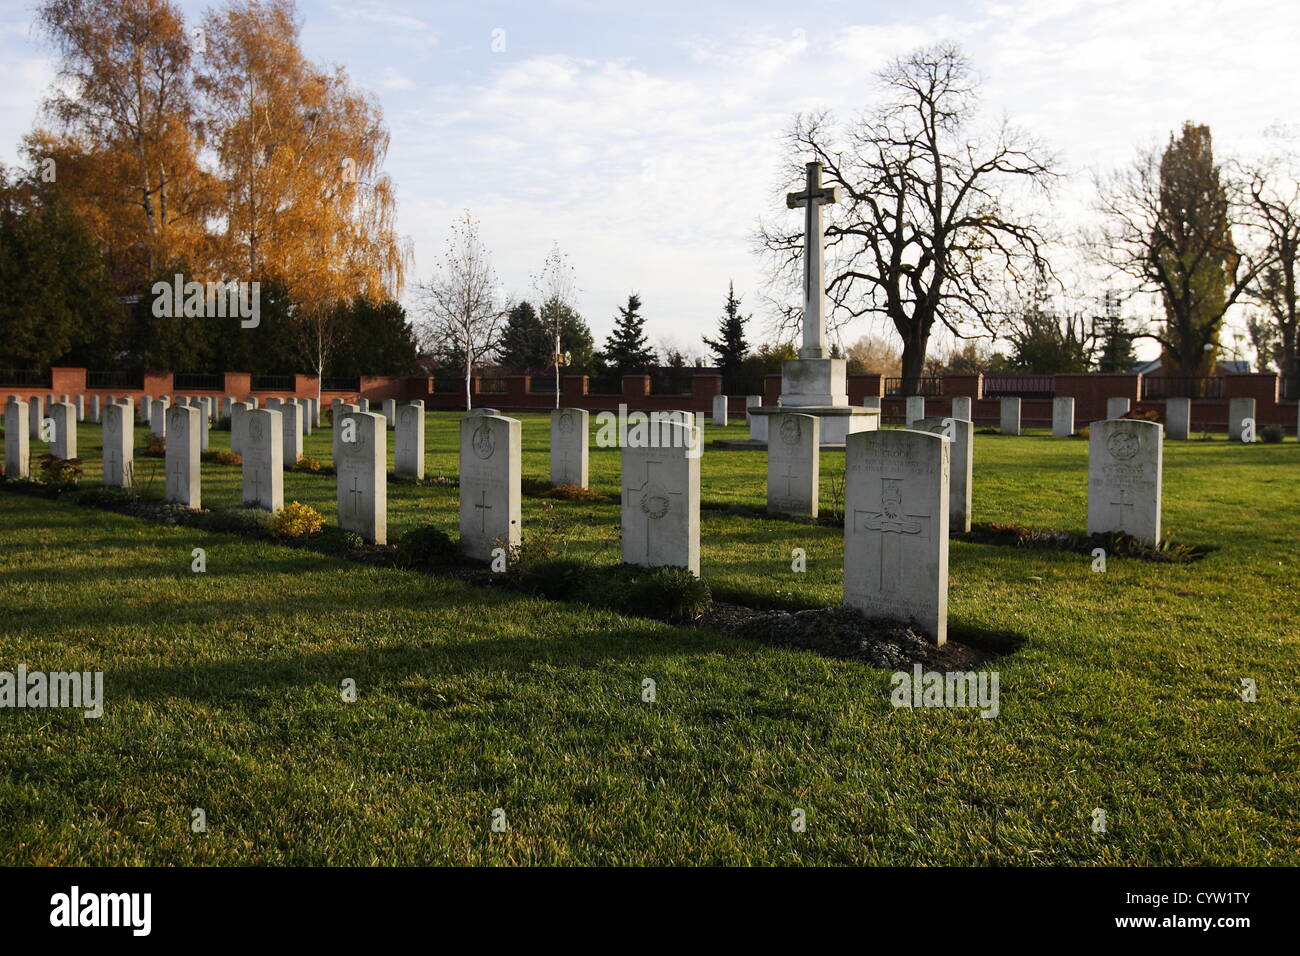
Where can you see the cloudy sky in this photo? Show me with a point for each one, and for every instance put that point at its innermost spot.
(644, 138)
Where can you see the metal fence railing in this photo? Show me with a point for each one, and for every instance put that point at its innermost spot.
(1290, 389)
(931, 386)
(1182, 386)
(24, 378)
(340, 384)
(670, 385)
(207, 381)
(273, 383)
(492, 386)
(1019, 386)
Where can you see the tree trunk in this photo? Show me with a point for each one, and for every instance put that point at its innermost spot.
(914, 347)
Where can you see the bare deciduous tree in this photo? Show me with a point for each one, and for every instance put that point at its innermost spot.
(924, 234)
(1167, 224)
(556, 288)
(461, 310)
(1273, 192)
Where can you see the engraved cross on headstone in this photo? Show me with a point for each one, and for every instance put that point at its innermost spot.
(813, 197)
(639, 496)
(892, 521)
(483, 508)
(1125, 501)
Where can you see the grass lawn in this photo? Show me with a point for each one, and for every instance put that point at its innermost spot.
(223, 689)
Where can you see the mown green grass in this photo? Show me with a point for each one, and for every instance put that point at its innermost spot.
(223, 688)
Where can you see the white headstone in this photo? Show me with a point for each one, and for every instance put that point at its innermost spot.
(1062, 417)
(182, 456)
(871, 401)
(158, 418)
(915, 409)
(793, 464)
(1125, 465)
(142, 410)
(1239, 411)
(315, 412)
(961, 407)
(308, 415)
(483, 411)
(340, 410)
(569, 451)
(1178, 418)
(390, 412)
(35, 417)
(119, 446)
(661, 499)
(81, 408)
(408, 435)
(226, 404)
(1010, 416)
(252, 401)
(490, 469)
(363, 404)
(1117, 406)
(896, 527)
(238, 418)
(960, 460)
(758, 427)
(18, 458)
(361, 464)
(65, 430)
(262, 447)
(94, 409)
(719, 416)
(291, 412)
(752, 401)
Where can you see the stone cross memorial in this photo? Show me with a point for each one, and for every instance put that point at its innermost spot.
(1062, 417)
(408, 436)
(1240, 410)
(18, 458)
(361, 463)
(182, 456)
(490, 471)
(1125, 464)
(65, 430)
(119, 446)
(896, 528)
(263, 452)
(661, 499)
(960, 460)
(1010, 423)
(569, 452)
(793, 464)
(1178, 418)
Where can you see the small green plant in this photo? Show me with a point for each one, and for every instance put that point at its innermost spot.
(668, 594)
(250, 522)
(337, 541)
(157, 447)
(424, 547)
(60, 471)
(295, 520)
(308, 464)
(214, 457)
(1272, 434)
(555, 578)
